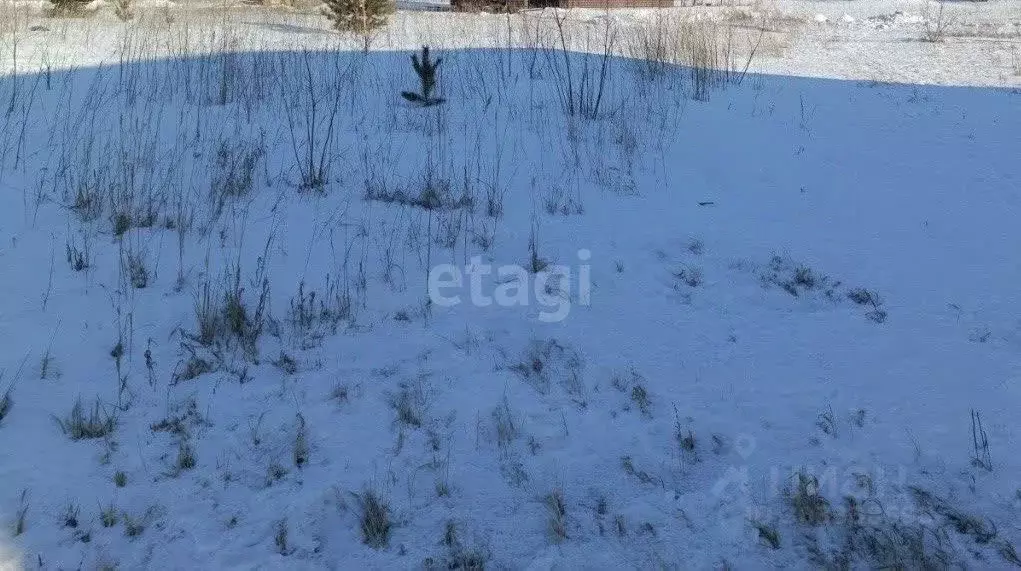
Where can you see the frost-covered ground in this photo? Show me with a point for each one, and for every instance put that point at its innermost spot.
(791, 336)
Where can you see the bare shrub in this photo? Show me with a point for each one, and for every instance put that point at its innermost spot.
(704, 47)
(581, 86)
(655, 46)
(311, 105)
(935, 21)
(709, 50)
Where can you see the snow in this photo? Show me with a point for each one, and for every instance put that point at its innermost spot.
(718, 250)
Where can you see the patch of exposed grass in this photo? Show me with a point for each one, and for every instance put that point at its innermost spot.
(184, 415)
(301, 451)
(767, 534)
(192, 368)
(133, 527)
(981, 530)
(628, 465)
(226, 318)
(506, 427)
(79, 425)
(458, 555)
(70, 516)
(286, 363)
(409, 404)
(374, 520)
(108, 516)
(434, 194)
(544, 361)
(280, 538)
(556, 508)
(136, 269)
(690, 276)
(186, 459)
(341, 393)
(640, 396)
(20, 521)
(312, 316)
(6, 403)
(869, 299)
(810, 507)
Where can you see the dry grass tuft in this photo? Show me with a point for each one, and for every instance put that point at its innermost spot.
(79, 425)
(557, 509)
(374, 521)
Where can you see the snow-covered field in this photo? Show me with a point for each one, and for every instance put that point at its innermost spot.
(590, 312)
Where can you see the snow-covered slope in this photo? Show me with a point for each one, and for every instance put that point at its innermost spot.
(776, 285)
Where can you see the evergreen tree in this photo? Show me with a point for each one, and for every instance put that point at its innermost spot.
(124, 10)
(361, 17)
(68, 7)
